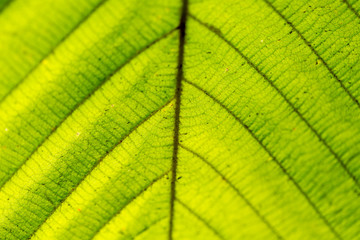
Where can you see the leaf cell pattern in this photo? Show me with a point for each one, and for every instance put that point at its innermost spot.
(192, 119)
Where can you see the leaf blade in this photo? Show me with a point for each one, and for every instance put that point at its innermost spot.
(247, 126)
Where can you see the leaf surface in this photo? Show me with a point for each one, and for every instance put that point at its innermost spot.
(199, 119)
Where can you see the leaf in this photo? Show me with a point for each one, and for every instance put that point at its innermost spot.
(199, 119)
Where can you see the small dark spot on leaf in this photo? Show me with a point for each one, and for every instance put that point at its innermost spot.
(215, 29)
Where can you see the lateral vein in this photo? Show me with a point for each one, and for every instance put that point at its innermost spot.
(307, 43)
(264, 76)
(86, 98)
(283, 169)
(80, 23)
(240, 194)
(101, 159)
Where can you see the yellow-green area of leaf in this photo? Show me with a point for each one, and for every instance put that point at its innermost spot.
(179, 119)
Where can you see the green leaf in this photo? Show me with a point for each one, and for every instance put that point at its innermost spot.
(164, 119)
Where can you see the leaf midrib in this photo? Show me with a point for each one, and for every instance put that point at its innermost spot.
(178, 89)
(217, 32)
(180, 77)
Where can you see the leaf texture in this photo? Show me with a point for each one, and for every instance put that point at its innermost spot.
(192, 119)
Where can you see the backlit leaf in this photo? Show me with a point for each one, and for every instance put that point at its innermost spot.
(170, 119)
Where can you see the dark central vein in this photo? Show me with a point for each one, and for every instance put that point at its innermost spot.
(179, 77)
